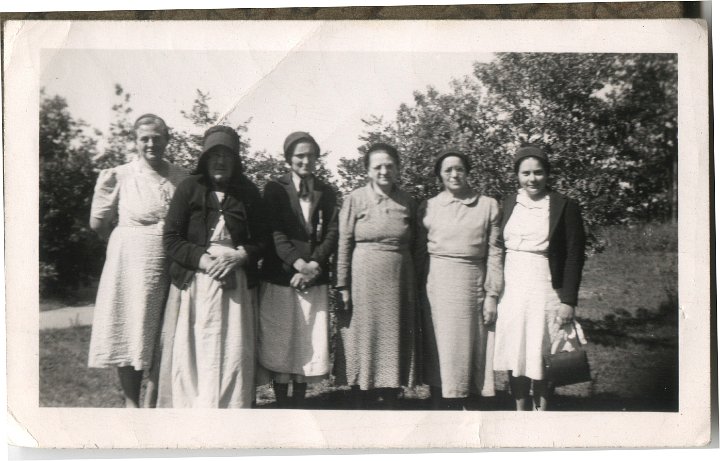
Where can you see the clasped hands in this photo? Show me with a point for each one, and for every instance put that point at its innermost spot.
(307, 273)
(220, 265)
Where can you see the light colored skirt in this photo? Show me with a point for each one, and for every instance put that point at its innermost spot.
(294, 330)
(527, 313)
(130, 299)
(458, 345)
(208, 356)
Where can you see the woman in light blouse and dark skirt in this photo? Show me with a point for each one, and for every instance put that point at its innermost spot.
(544, 243)
(294, 318)
(461, 229)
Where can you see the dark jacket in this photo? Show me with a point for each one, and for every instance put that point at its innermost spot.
(293, 238)
(195, 210)
(566, 253)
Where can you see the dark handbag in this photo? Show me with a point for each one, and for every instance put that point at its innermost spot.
(563, 368)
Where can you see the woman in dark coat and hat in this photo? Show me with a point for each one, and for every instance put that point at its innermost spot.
(214, 234)
(294, 318)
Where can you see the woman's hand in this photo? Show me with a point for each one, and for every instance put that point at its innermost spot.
(225, 263)
(345, 300)
(205, 263)
(565, 314)
(311, 269)
(489, 310)
(298, 281)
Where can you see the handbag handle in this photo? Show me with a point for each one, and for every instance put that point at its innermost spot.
(575, 341)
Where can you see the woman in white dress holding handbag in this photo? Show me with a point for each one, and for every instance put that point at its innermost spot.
(544, 242)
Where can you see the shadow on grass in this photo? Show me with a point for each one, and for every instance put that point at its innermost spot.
(502, 401)
(653, 329)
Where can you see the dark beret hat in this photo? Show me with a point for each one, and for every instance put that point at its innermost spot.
(452, 152)
(530, 151)
(296, 137)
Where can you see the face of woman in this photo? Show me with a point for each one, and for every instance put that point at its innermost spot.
(220, 163)
(150, 142)
(303, 159)
(382, 169)
(453, 174)
(532, 177)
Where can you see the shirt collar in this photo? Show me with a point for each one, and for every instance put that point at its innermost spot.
(524, 199)
(378, 197)
(446, 198)
(296, 180)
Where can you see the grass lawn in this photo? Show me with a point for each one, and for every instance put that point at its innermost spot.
(628, 309)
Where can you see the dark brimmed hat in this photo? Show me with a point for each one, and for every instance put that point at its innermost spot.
(221, 136)
(452, 152)
(530, 151)
(296, 137)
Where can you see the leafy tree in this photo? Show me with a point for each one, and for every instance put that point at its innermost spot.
(70, 253)
(120, 145)
(608, 122)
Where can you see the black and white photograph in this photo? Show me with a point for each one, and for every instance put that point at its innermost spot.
(349, 234)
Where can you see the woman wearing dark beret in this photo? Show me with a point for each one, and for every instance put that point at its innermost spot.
(544, 244)
(376, 280)
(215, 234)
(294, 320)
(460, 232)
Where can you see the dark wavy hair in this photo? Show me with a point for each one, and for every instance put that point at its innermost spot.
(381, 146)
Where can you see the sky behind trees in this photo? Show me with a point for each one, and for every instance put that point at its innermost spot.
(325, 93)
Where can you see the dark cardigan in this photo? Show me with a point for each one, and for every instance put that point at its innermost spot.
(194, 210)
(292, 239)
(566, 253)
